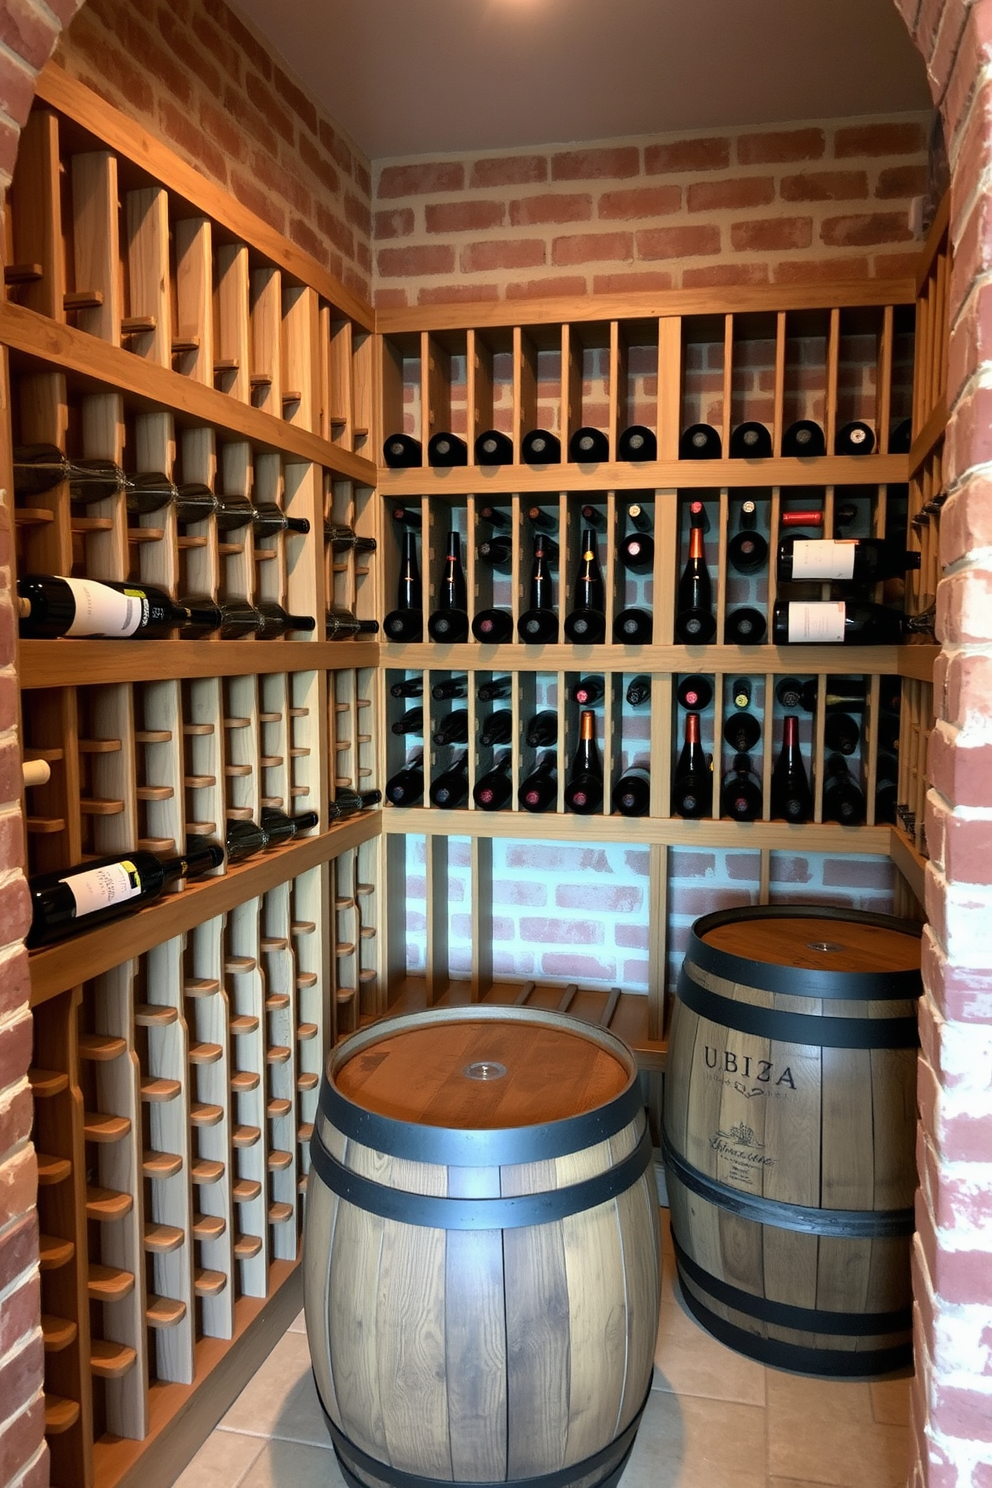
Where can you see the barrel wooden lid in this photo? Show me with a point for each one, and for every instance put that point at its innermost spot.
(816, 943)
(482, 1075)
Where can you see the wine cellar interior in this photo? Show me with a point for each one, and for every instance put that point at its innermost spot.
(153, 322)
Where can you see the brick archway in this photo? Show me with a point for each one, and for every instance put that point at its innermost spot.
(953, 1260)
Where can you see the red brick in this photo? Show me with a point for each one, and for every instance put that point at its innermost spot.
(598, 899)
(15, 910)
(825, 186)
(508, 170)
(633, 937)
(961, 774)
(362, 178)
(871, 873)
(252, 196)
(27, 32)
(778, 145)
(577, 968)
(901, 181)
(15, 1049)
(551, 206)
(507, 253)
(261, 95)
(969, 433)
(464, 216)
(16, 90)
(390, 299)
(564, 858)
(335, 231)
(299, 102)
(945, 50)
(678, 242)
(864, 230)
(816, 271)
(144, 49)
(304, 236)
(771, 234)
(20, 1438)
(614, 162)
(718, 274)
(357, 212)
(339, 151)
(175, 33)
(249, 118)
(223, 51)
(18, 1185)
(434, 258)
(737, 191)
(966, 682)
(879, 139)
(316, 160)
(616, 247)
(19, 1247)
(16, 1116)
(704, 154)
(421, 179)
(640, 201)
(64, 9)
(457, 294)
(651, 279)
(218, 128)
(244, 39)
(896, 265)
(967, 1139)
(15, 982)
(395, 224)
(20, 1313)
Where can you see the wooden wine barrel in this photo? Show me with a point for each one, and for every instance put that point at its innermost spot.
(481, 1251)
(789, 1134)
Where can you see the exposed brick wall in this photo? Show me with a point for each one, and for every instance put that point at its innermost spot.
(803, 202)
(201, 79)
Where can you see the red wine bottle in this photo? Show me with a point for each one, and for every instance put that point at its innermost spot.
(855, 438)
(72, 900)
(804, 439)
(539, 792)
(406, 787)
(886, 786)
(695, 692)
(639, 690)
(498, 687)
(453, 729)
(692, 784)
(742, 732)
(588, 691)
(845, 621)
(740, 793)
(449, 622)
(744, 627)
(636, 551)
(585, 624)
(540, 447)
(750, 441)
(843, 798)
(593, 517)
(584, 791)
(588, 446)
(543, 521)
(791, 795)
(864, 560)
(233, 513)
(406, 622)
(408, 516)
(700, 442)
(402, 451)
(494, 789)
(747, 550)
(841, 733)
(637, 442)
(631, 794)
(694, 621)
(633, 628)
(497, 728)
(412, 722)
(542, 731)
(445, 449)
(539, 623)
(740, 692)
(492, 627)
(448, 688)
(41, 467)
(497, 552)
(493, 448)
(450, 790)
(501, 520)
(409, 687)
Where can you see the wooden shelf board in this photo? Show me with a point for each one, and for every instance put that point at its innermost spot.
(58, 967)
(729, 660)
(908, 861)
(67, 663)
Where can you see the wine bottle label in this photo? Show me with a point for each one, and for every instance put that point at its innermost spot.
(817, 621)
(823, 559)
(104, 612)
(97, 888)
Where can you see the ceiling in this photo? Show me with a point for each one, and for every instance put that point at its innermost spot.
(413, 77)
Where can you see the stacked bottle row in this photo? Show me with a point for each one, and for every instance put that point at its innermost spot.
(89, 241)
(744, 385)
(744, 749)
(740, 567)
(174, 1099)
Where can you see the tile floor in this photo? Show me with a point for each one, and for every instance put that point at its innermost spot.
(714, 1420)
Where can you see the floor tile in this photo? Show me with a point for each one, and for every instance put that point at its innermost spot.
(679, 1445)
(225, 1457)
(280, 1400)
(824, 1431)
(689, 1362)
(285, 1464)
(299, 1323)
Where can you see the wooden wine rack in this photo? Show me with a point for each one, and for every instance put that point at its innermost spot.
(152, 320)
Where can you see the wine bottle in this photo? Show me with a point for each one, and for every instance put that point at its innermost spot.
(585, 624)
(280, 828)
(243, 839)
(637, 443)
(51, 606)
(496, 518)
(843, 798)
(699, 516)
(855, 438)
(540, 447)
(409, 687)
(588, 446)
(886, 786)
(804, 439)
(843, 695)
(233, 513)
(588, 691)
(449, 622)
(71, 900)
(692, 785)
(41, 467)
(791, 795)
(497, 728)
(453, 729)
(593, 517)
(790, 692)
(742, 732)
(231, 621)
(494, 789)
(695, 692)
(498, 687)
(450, 790)
(847, 621)
(544, 521)
(633, 628)
(539, 792)
(740, 692)
(631, 794)
(147, 491)
(412, 722)
(750, 441)
(901, 437)
(636, 550)
(539, 623)
(747, 550)
(584, 791)
(408, 516)
(451, 687)
(406, 787)
(497, 552)
(275, 621)
(865, 560)
(639, 517)
(741, 793)
(344, 539)
(639, 690)
(542, 731)
(744, 627)
(493, 627)
(340, 623)
(840, 733)
(694, 620)
(444, 450)
(700, 442)
(493, 448)
(268, 519)
(194, 502)
(402, 451)
(348, 802)
(406, 622)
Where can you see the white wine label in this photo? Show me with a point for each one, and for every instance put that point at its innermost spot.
(104, 612)
(823, 558)
(97, 888)
(819, 620)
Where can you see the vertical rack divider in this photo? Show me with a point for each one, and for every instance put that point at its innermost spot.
(833, 367)
(36, 211)
(482, 917)
(300, 357)
(478, 389)
(104, 527)
(614, 570)
(728, 383)
(149, 324)
(158, 557)
(666, 548)
(767, 742)
(336, 354)
(96, 254)
(436, 865)
(657, 938)
(717, 769)
(524, 387)
(778, 418)
(266, 329)
(231, 357)
(883, 412)
(362, 388)
(193, 341)
(660, 744)
(721, 563)
(669, 385)
(618, 399)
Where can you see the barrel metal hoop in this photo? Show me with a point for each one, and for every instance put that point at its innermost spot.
(850, 1224)
(620, 1447)
(438, 1213)
(459, 1147)
(797, 1028)
(785, 1314)
(841, 1363)
(801, 981)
